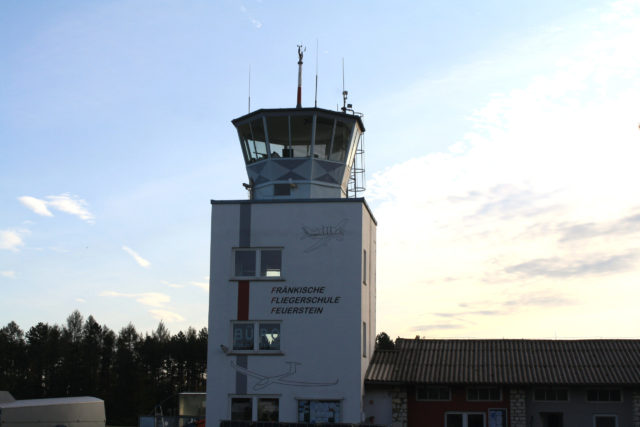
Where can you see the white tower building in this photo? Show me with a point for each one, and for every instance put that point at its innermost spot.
(293, 282)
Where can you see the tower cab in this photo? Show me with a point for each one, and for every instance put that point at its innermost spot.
(299, 153)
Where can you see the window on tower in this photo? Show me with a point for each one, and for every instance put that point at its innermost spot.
(254, 141)
(256, 336)
(324, 134)
(257, 263)
(301, 127)
(319, 411)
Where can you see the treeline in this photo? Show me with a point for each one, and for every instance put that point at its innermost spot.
(131, 372)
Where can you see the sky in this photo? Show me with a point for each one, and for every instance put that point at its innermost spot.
(502, 151)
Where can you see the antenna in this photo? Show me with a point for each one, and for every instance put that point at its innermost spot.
(315, 104)
(344, 92)
(249, 106)
(301, 51)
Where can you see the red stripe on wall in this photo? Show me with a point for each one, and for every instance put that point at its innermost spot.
(243, 300)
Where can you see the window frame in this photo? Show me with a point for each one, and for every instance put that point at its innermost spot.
(255, 398)
(364, 339)
(256, 338)
(304, 399)
(364, 267)
(489, 388)
(596, 416)
(505, 419)
(465, 414)
(604, 389)
(428, 399)
(554, 390)
(258, 263)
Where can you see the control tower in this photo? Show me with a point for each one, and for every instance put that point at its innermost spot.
(293, 278)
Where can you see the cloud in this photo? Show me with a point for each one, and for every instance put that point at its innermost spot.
(152, 299)
(545, 298)
(81, 300)
(627, 225)
(172, 285)
(10, 240)
(256, 23)
(141, 261)
(166, 316)
(562, 268)
(202, 285)
(8, 273)
(471, 313)
(71, 205)
(36, 205)
(65, 202)
(440, 326)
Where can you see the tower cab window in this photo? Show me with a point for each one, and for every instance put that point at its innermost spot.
(300, 135)
(257, 263)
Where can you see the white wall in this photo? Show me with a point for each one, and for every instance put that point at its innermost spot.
(326, 345)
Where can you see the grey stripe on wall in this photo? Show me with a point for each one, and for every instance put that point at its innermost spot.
(245, 225)
(244, 240)
(241, 380)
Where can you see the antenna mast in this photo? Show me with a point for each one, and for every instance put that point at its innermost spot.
(301, 51)
(344, 92)
(315, 104)
(249, 106)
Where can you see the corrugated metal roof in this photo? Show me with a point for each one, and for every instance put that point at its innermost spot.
(540, 362)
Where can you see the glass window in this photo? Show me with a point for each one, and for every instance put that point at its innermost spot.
(243, 336)
(241, 408)
(268, 409)
(341, 141)
(475, 420)
(270, 262)
(259, 139)
(454, 420)
(433, 393)
(605, 421)
(551, 419)
(278, 130)
(324, 133)
(301, 127)
(245, 136)
(604, 395)
(364, 267)
(464, 420)
(551, 394)
(319, 411)
(364, 339)
(497, 418)
(253, 140)
(483, 393)
(245, 261)
(269, 335)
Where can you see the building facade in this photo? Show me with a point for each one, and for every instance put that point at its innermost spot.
(502, 383)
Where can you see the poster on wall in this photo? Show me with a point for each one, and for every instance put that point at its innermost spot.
(497, 417)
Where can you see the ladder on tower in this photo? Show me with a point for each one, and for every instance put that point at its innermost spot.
(357, 183)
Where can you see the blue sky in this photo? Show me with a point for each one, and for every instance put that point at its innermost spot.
(501, 148)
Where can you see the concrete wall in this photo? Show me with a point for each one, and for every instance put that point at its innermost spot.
(322, 246)
(378, 406)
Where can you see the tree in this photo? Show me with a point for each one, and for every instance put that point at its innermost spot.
(12, 359)
(384, 342)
